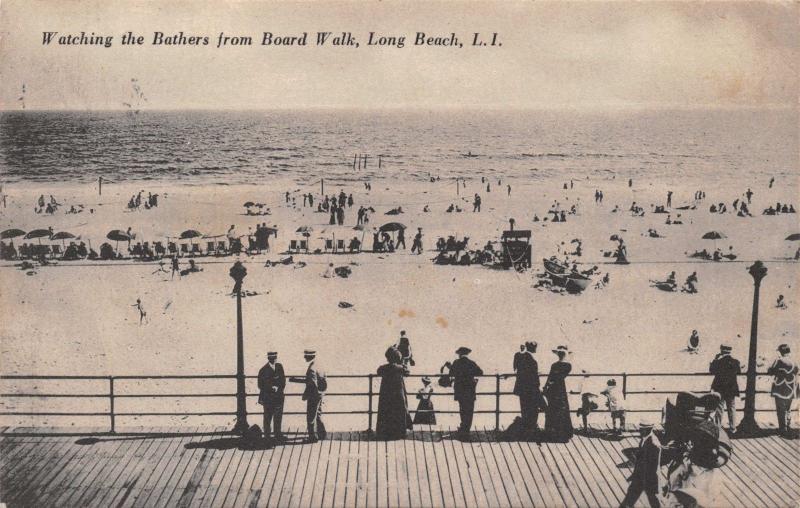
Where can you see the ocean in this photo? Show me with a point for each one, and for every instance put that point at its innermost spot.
(226, 147)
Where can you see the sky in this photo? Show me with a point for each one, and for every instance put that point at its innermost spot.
(553, 54)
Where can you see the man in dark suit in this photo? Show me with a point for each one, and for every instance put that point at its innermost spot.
(526, 386)
(725, 369)
(463, 371)
(271, 383)
(316, 384)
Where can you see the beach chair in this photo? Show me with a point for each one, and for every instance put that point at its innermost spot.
(159, 248)
(303, 246)
(173, 249)
(184, 249)
(340, 245)
(196, 250)
(293, 246)
(210, 250)
(56, 252)
(221, 249)
(328, 245)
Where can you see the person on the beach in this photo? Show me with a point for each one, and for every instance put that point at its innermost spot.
(142, 312)
(175, 267)
(416, 246)
(476, 204)
(393, 417)
(781, 303)
(526, 386)
(669, 199)
(316, 384)
(404, 347)
(557, 421)
(725, 369)
(463, 371)
(694, 342)
(508, 188)
(690, 286)
(749, 195)
(615, 405)
(425, 413)
(271, 385)
(784, 388)
(401, 238)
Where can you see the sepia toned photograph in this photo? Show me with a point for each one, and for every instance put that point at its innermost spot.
(399, 253)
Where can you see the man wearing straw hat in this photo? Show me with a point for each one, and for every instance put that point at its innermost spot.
(645, 471)
(316, 384)
(271, 383)
(526, 386)
(725, 369)
(464, 372)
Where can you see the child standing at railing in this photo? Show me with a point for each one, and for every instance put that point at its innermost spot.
(425, 414)
(615, 405)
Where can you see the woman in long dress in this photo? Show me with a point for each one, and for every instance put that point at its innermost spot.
(557, 421)
(393, 417)
(425, 414)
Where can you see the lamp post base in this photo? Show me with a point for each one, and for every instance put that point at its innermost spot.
(240, 427)
(748, 427)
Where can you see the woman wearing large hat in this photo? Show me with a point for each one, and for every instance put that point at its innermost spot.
(557, 422)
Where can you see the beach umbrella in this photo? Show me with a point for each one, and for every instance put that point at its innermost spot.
(62, 235)
(791, 238)
(38, 234)
(249, 204)
(714, 235)
(11, 233)
(305, 230)
(118, 236)
(391, 227)
(190, 233)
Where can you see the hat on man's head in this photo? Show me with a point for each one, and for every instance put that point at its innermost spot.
(784, 349)
(309, 352)
(725, 348)
(402, 332)
(463, 351)
(611, 382)
(272, 354)
(561, 349)
(426, 380)
(531, 345)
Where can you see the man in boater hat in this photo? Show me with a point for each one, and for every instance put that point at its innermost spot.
(316, 385)
(464, 372)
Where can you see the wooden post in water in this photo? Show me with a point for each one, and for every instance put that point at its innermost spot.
(380, 160)
(100, 186)
(748, 425)
(322, 186)
(365, 161)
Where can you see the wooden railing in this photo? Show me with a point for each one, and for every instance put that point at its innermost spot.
(112, 394)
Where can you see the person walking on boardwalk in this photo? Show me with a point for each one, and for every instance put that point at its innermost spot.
(425, 414)
(393, 417)
(784, 388)
(526, 386)
(725, 368)
(557, 422)
(464, 372)
(645, 471)
(316, 385)
(271, 384)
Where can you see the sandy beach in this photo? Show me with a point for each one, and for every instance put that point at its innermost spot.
(79, 317)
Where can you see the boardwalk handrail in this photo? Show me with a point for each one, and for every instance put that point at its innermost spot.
(112, 394)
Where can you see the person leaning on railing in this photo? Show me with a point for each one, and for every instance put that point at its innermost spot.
(784, 387)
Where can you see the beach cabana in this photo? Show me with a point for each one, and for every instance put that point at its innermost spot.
(336, 239)
(301, 241)
(189, 235)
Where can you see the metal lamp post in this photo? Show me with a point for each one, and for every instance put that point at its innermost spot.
(748, 424)
(238, 272)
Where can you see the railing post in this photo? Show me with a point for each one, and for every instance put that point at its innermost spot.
(111, 403)
(624, 385)
(369, 405)
(497, 402)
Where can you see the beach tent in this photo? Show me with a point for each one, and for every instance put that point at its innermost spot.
(714, 235)
(11, 233)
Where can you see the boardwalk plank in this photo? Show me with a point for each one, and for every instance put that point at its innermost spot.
(309, 482)
(188, 470)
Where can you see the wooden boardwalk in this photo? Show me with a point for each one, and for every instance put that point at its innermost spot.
(205, 469)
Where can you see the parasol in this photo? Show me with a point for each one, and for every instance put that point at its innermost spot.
(714, 235)
(249, 204)
(62, 235)
(38, 234)
(305, 230)
(11, 233)
(390, 227)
